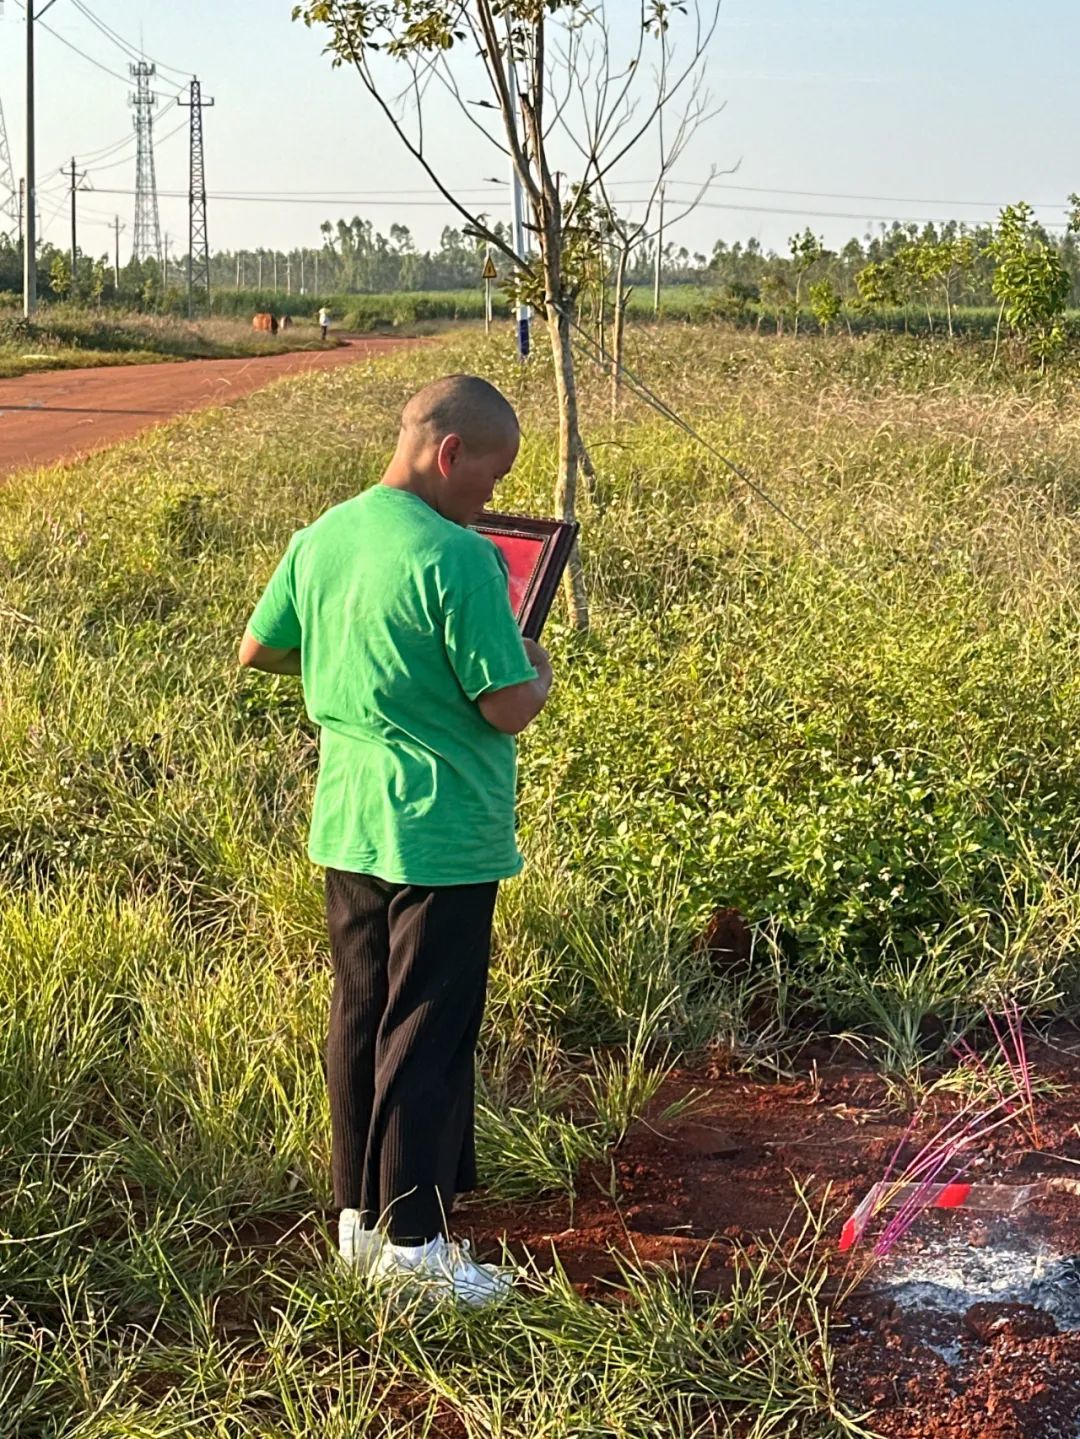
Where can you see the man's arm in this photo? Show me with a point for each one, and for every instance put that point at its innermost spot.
(255, 656)
(514, 708)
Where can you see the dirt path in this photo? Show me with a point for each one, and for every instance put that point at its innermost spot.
(64, 413)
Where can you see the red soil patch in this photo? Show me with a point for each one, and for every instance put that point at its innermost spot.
(61, 414)
(688, 1191)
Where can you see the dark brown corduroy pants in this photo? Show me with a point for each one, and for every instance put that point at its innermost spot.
(410, 980)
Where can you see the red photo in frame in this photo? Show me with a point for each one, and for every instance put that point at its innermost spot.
(536, 552)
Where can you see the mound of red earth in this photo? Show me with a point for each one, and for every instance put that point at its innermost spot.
(687, 1192)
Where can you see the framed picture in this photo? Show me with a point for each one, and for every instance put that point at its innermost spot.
(536, 552)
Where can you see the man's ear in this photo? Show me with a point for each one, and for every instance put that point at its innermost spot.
(449, 452)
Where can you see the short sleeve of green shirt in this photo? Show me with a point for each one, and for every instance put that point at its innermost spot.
(275, 622)
(483, 642)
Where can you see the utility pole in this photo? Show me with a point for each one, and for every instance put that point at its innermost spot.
(517, 218)
(238, 269)
(659, 258)
(22, 199)
(316, 272)
(75, 178)
(301, 270)
(275, 272)
(288, 273)
(30, 247)
(198, 267)
(259, 267)
(116, 227)
(165, 264)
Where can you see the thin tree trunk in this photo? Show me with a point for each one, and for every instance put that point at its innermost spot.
(548, 210)
(570, 455)
(997, 337)
(618, 330)
(948, 309)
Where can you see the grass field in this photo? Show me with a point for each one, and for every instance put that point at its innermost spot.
(425, 311)
(69, 337)
(869, 747)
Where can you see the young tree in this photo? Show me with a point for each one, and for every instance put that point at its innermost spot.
(776, 296)
(60, 275)
(957, 255)
(97, 281)
(515, 41)
(825, 304)
(1030, 281)
(879, 286)
(806, 250)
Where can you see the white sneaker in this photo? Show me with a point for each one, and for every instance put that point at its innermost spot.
(358, 1247)
(444, 1268)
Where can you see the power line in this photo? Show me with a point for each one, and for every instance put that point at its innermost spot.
(846, 214)
(126, 159)
(390, 199)
(104, 151)
(839, 195)
(57, 36)
(269, 194)
(278, 199)
(127, 49)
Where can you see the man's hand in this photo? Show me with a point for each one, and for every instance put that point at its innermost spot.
(540, 660)
(514, 708)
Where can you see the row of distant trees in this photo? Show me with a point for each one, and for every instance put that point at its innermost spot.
(353, 258)
(938, 267)
(1016, 265)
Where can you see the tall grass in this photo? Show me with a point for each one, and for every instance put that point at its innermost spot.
(869, 748)
(69, 336)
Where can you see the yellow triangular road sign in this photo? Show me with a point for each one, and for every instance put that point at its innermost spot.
(489, 271)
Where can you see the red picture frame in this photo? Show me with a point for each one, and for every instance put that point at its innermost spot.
(536, 552)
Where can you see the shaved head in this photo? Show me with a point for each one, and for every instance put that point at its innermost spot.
(459, 437)
(462, 405)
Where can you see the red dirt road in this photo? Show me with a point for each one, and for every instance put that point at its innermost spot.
(62, 414)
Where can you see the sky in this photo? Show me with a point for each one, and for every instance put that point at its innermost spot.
(836, 114)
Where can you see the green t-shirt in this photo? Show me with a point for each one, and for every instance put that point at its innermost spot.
(403, 620)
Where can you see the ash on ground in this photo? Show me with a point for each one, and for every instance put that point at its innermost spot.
(948, 1272)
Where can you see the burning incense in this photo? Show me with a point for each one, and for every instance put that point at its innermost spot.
(951, 1149)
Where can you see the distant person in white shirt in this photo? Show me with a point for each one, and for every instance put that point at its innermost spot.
(324, 321)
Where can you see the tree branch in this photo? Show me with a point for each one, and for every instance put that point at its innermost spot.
(359, 63)
(492, 54)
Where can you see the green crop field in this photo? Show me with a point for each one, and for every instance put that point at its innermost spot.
(866, 742)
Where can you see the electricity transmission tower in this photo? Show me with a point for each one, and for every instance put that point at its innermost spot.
(198, 245)
(9, 195)
(147, 240)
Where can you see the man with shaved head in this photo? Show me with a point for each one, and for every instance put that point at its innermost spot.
(397, 616)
